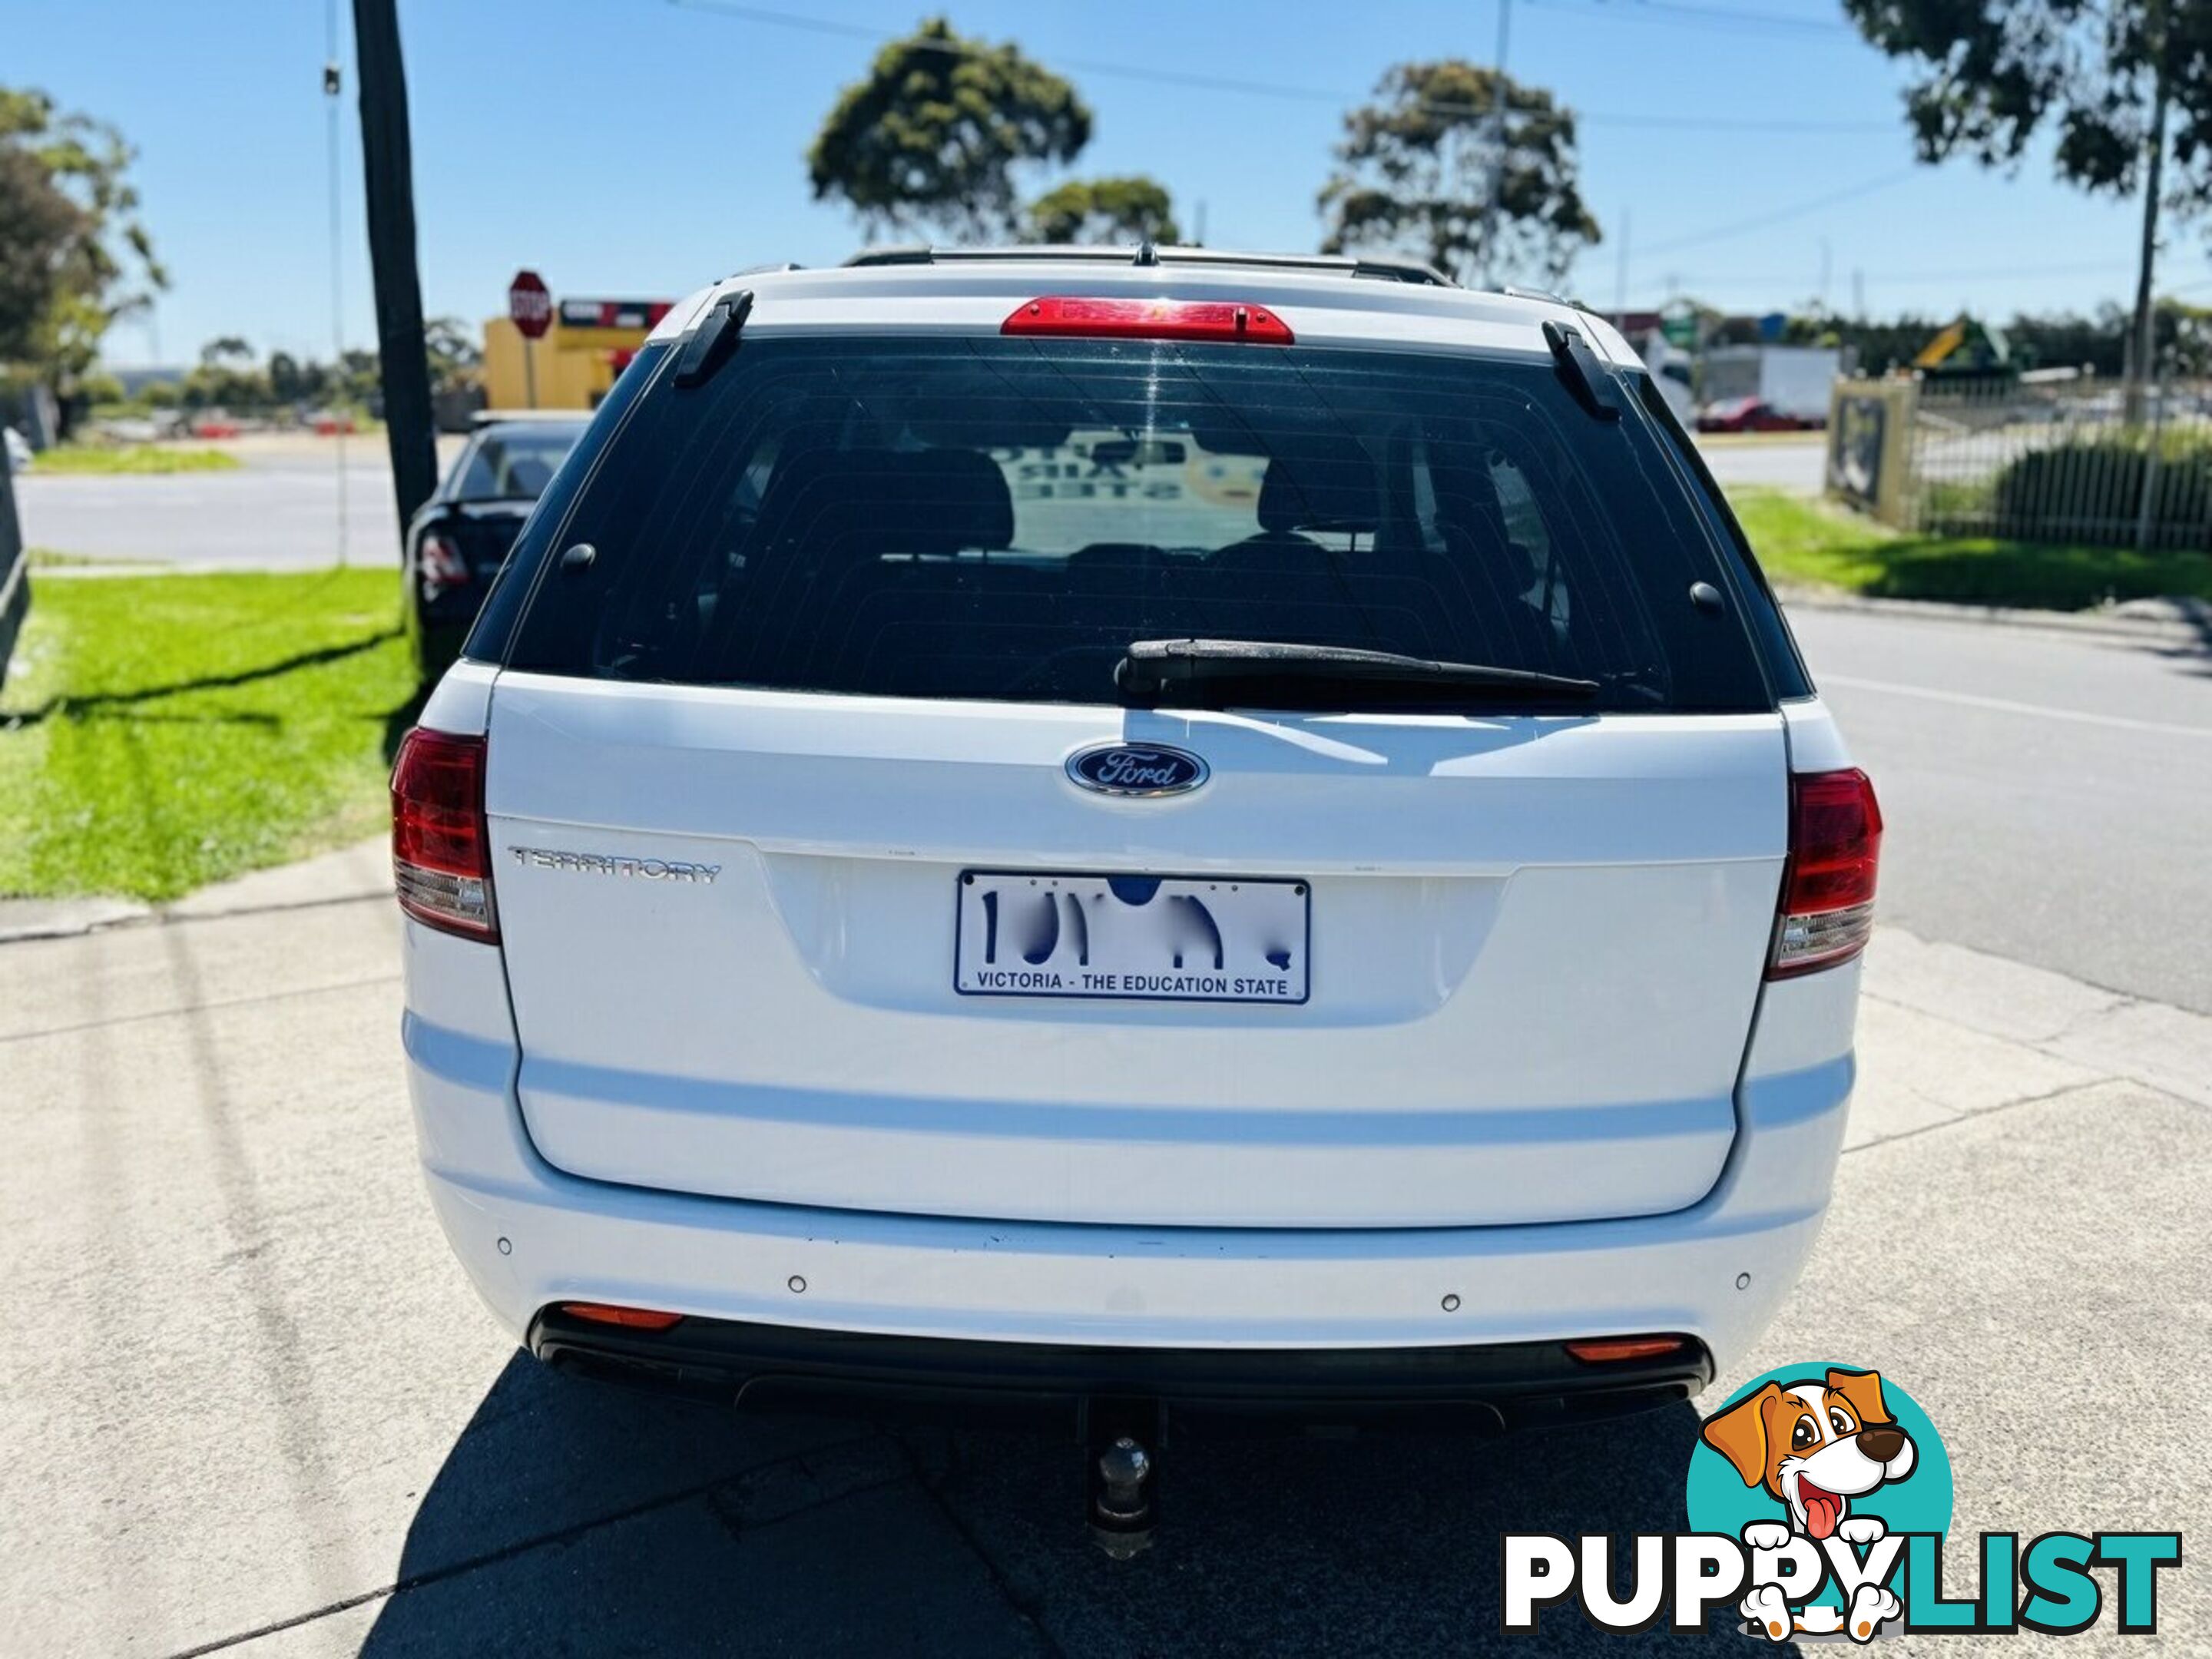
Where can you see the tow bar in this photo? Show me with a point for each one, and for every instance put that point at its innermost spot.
(1123, 1470)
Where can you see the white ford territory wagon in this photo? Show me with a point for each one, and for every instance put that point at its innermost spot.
(1152, 826)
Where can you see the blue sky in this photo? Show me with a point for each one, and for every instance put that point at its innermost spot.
(641, 147)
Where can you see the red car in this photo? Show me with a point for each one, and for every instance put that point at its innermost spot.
(1751, 415)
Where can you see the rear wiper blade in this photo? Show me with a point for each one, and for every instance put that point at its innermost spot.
(1149, 667)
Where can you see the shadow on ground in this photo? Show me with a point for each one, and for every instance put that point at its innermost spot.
(570, 1517)
(97, 704)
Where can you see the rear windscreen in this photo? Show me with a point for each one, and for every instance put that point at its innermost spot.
(1001, 519)
(512, 463)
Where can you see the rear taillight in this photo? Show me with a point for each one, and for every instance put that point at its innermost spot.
(439, 565)
(1828, 888)
(1229, 320)
(441, 844)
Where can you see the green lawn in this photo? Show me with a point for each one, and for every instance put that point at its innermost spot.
(1810, 541)
(160, 732)
(107, 459)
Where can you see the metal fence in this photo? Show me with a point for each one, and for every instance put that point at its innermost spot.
(2063, 462)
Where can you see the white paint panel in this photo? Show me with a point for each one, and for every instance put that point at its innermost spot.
(1536, 946)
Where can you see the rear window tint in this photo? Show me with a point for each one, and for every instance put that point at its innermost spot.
(494, 632)
(999, 519)
(512, 463)
(1777, 646)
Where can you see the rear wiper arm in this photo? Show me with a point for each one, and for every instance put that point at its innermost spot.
(1149, 667)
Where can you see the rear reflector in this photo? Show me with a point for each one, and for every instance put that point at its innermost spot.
(1149, 319)
(440, 843)
(1610, 1350)
(636, 1319)
(1828, 888)
(439, 565)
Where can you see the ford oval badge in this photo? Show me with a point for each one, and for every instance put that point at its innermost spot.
(1137, 768)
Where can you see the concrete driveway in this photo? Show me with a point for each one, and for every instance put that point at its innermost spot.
(253, 1404)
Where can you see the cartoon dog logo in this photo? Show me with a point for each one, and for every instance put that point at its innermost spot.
(1815, 1446)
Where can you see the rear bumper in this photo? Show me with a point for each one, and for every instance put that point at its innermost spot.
(1484, 1386)
(529, 1236)
(556, 1238)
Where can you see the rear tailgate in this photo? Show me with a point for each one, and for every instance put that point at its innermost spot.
(845, 610)
(1535, 949)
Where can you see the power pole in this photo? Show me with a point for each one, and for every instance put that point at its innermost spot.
(2144, 346)
(1498, 160)
(333, 89)
(387, 165)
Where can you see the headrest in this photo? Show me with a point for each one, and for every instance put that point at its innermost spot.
(965, 492)
(1334, 491)
(873, 501)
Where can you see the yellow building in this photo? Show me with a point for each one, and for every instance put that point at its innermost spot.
(589, 342)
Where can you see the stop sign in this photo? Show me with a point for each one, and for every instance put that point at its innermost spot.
(529, 303)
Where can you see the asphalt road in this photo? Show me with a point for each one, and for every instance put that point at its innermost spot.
(282, 510)
(266, 516)
(2048, 795)
(1796, 462)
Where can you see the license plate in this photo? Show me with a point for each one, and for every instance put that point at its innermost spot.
(1172, 938)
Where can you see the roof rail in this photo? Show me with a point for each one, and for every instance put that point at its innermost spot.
(904, 253)
(1391, 271)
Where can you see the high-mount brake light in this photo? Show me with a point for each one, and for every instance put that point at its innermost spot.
(1828, 888)
(441, 842)
(1075, 317)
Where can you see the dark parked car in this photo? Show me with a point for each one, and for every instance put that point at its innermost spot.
(457, 542)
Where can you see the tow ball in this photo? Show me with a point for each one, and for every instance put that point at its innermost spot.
(1123, 1471)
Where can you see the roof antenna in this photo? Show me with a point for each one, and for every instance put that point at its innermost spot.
(1146, 253)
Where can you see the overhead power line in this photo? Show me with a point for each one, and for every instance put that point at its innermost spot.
(775, 18)
(1778, 216)
(1875, 274)
(1694, 16)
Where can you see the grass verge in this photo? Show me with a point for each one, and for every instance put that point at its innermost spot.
(1802, 540)
(102, 461)
(161, 733)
